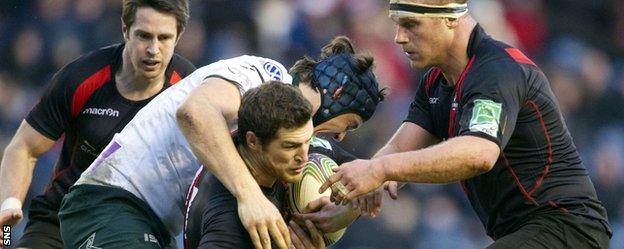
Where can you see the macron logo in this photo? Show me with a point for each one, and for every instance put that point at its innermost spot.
(102, 112)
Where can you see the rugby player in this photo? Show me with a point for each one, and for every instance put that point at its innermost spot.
(485, 115)
(275, 148)
(87, 102)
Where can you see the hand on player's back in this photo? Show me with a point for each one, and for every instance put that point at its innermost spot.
(261, 218)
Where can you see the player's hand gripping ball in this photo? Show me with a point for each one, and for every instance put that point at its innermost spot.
(315, 173)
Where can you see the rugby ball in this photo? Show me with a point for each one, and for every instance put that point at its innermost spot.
(315, 172)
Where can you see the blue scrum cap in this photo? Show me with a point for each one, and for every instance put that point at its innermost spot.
(344, 88)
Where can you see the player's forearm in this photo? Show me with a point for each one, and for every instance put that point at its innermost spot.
(409, 137)
(207, 133)
(16, 172)
(456, 159)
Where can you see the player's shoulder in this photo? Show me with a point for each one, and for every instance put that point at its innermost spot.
(317, 143)
(95, 65)
(267, 68)
(497, 64)
(331, 149)
(246, 71)
(212, 197)
(97, 59)
(498, 58)
(183, 66)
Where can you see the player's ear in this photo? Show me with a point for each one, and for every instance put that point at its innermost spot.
(179, 36)
(124, 30)
(252, 140)
(451, 23)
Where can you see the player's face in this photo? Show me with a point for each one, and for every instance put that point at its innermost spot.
(337, 127)
(150, 42)
(425, 40)
(288, 152)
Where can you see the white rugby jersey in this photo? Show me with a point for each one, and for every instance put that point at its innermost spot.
(151, 158)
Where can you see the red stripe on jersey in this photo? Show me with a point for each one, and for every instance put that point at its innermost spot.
(457, 98)
(539, 181)
(518, 56)
(87, 88)
(190, 196)
(175, 77)
(518, 183)
(432, 77)
(58, 171)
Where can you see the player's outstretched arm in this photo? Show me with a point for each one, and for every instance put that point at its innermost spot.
(16, 170)
(408, 137)
(456, 159)
(203, 119)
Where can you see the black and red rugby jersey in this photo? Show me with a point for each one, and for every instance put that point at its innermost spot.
(82, 102)
(504, 97)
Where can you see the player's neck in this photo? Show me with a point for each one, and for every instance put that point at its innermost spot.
(257, 166)
(134, 86)
(457, 59)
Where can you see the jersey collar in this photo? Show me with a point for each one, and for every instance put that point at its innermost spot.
(476, 37)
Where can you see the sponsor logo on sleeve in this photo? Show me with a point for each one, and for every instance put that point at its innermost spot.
(274, 71)
(485, 117)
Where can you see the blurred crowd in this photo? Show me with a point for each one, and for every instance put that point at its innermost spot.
(578, 43)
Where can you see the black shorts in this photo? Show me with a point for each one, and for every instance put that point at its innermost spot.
(41, 234)
(554, 231)
(109, 217)
(42, 229)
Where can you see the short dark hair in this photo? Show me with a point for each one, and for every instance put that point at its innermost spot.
(269, 107)
(178, 8)
(304, 67)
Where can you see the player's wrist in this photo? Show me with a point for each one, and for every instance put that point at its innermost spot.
(10, 203)
(381, 169)
(250, 193)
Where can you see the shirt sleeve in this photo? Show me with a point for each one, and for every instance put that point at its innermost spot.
(420, 112)
(248, 72)
(240, 72)
(51, 116)
(491, 102)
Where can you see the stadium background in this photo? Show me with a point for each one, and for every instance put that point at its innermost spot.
(578, 43)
